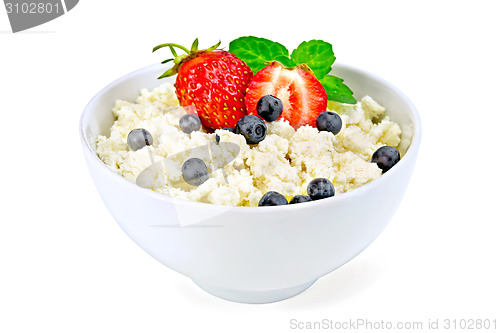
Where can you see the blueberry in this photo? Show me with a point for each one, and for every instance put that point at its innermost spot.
(252, 128)
(320, 188)
(217, 138)
(229, 129)
(190, 123)
(329, 121)
(300, 198)
(386, 157)
(139, 138)
(269, 107)
(273, 198)
(194, 171)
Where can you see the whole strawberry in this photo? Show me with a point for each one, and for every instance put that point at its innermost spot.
(212, 80)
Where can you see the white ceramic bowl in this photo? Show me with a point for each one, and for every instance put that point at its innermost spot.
(252, 254)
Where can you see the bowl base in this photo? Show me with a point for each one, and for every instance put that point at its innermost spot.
(255, 296)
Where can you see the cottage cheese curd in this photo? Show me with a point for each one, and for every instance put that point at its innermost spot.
(285, 161)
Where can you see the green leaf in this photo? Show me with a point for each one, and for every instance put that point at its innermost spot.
(337, 90)
(257, 52)
(194, 46)
(316, 54)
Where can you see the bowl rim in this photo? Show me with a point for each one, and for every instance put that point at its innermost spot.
(337, 199)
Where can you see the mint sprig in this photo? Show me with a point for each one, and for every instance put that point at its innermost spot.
(316, 54)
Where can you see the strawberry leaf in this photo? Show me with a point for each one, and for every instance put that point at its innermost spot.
(316, 54)
(336, 90)
(257, 52)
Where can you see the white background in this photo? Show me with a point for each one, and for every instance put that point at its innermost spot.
(66, 266)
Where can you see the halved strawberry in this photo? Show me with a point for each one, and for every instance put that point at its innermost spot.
(303, 96)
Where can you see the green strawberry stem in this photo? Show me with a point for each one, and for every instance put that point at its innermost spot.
(170, 45)
(179, 59)
(194, 46)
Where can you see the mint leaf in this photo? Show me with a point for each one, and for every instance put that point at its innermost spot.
(316, 54)
(256, 52)
(337, 90)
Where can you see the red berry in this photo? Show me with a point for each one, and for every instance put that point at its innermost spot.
(303, 96)
(214, 81)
